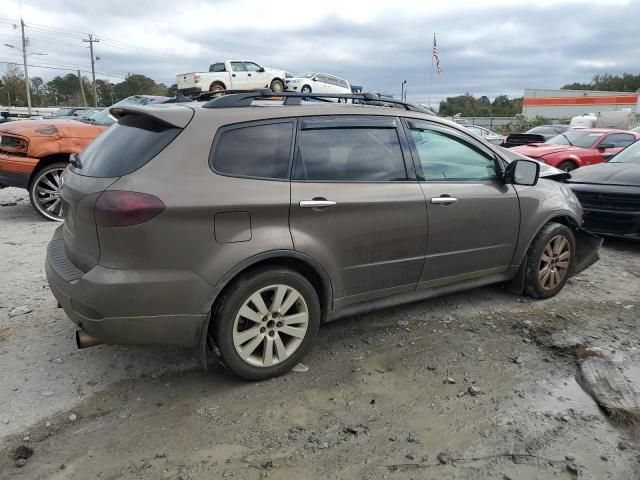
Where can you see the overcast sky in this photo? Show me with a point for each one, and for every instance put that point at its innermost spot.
(487, 47)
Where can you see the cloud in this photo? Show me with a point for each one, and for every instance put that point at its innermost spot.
(486, 48)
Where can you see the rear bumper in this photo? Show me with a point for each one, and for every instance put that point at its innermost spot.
(167, 307)
(15, 171)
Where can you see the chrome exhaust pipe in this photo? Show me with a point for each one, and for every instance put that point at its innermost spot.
(84, 340)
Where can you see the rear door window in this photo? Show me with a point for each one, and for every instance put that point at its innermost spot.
(255, 150)
(350, 155)
(125, 147)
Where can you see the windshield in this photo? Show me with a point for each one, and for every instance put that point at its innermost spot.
(63, 112)
(631, 154)
(103, 117)
(547, 130)
(306, 75)
(576, 139)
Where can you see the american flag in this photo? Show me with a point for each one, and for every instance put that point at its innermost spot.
(436, 55)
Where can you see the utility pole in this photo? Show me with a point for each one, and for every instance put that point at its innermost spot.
(26, 72)
(84, 99)
(91, 41)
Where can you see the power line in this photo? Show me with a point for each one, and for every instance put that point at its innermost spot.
(60, 68)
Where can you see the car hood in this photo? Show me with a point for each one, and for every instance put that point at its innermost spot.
(275, 71)
(627, 174)
(52, 128)
(542, 149)
(546, 171)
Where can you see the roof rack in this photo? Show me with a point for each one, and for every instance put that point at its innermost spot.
(245, 98)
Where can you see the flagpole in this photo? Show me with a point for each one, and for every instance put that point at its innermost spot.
(431, 72)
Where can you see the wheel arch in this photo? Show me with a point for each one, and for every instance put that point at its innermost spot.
(567, 218)
(573, 159)
(310, 268)
(48, 160)
(217, 82)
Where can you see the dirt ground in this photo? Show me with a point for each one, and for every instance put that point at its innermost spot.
(474, 385)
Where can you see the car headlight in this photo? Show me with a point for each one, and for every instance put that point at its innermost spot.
(14, 145)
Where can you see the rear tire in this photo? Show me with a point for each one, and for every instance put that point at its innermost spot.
(216, 88)
(44, 191)
(549, 261)
(567, 166)
(266, 322)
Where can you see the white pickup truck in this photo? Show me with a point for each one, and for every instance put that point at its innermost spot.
(231, 75)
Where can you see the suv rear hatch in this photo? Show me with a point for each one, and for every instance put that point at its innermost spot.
(140, 134)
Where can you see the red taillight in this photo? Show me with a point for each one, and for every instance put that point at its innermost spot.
(116, 208)
(196, 78)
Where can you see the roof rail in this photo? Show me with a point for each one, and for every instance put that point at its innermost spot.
(245, 98)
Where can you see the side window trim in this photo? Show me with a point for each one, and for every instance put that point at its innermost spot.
(256, 123)
(348, 121)
(464, 137)
(404, 148)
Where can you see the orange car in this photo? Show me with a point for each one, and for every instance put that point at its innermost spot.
(34, 153)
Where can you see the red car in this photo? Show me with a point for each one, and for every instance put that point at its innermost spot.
(579, 147)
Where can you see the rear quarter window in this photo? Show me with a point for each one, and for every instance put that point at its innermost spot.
(125, 147)
(259, 151)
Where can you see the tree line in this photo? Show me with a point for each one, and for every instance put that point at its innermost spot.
(469, 106)
(502, 106)
(67, 89)
(626, 82)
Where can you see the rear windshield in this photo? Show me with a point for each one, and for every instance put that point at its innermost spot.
(125, 147)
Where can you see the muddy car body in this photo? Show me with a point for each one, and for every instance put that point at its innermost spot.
(34, 153)
(245, 227)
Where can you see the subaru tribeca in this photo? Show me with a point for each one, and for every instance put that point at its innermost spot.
(238, 229)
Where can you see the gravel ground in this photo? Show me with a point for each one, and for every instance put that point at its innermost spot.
(474, 385)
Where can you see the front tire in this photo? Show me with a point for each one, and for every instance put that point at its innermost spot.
(567, 166)
(45, 189)
(266, 322)
(277, 86)
(549, 261)
(305, 89)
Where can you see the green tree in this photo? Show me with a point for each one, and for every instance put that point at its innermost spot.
(626, 82)
(137, 84)
(13, 87)
(106, 94)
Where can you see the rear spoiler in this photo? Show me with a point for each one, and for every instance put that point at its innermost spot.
(516, 139)
(173, 115)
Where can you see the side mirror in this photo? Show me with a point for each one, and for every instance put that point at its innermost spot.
(603, 146)
(261, 70)
(523, 172)
(608, 156)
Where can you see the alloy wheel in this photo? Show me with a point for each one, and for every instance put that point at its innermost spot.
(270, 325)
(554, 262)
(46, 193)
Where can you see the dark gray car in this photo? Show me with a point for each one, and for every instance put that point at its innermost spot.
(238, 228)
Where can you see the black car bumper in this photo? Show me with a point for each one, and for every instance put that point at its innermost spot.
(14, 179)
(610, 210)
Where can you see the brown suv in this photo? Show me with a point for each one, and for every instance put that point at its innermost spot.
(238, 227)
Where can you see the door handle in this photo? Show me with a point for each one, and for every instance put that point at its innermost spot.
(249, 74)
(444, 200)
(317, 203)
(233, 74)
